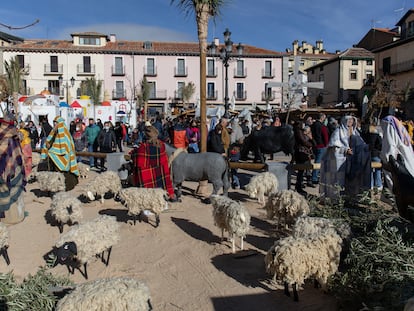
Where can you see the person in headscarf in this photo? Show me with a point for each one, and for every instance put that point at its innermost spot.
(150, 164)
(346, 164)
(60, 153)
(12, 174)
(396, 140)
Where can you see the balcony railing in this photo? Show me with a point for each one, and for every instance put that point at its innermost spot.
(269, 96)
(55, 91)
(158, 94)
(26, 69)
(178, 95)
(240, 95)
(180, 72)
(118, 71)
(212, 73)
(118, 93)
(268, 74)
(150, 71)
(212, 95)
(83, 69)
(240, 73)
(53, 69)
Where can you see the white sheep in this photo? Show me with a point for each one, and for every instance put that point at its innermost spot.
(51, 182)
(307, 253)
(232, 217)
(111, 294)
(83, 242)
(287, 205)
(83, 170)
(66, 209)
(103, 183)
(4, 242)
(138, 200)
(306, 226)
(262, 184)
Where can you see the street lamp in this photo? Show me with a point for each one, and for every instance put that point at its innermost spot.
(72, 83)
(226, 54)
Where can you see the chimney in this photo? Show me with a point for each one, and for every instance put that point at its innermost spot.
(216, 41)
(112, 37)
(319, 45)
(295, 47)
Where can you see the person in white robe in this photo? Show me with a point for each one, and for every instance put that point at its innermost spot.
(346, 164)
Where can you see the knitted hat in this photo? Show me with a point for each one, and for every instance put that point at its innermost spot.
(151, 132)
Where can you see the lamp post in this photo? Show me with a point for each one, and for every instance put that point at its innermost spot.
(72, 83)
(226, 54)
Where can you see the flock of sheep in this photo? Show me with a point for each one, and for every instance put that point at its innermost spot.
(310, 250)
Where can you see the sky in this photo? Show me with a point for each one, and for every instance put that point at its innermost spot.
(268, 24)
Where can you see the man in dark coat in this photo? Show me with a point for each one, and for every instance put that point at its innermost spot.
(106, 142)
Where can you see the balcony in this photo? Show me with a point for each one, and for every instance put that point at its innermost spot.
(268, 96)
(85, 70)
(180, 72)
(212, 73)
(118, 70)
(158, 94)
(150, 71)
(55, 91)
(26, 69)
(240, 73)
(240, 95)
(118, 93)
(212, 95)
(53, 70)
(268, 74)
(178, 95)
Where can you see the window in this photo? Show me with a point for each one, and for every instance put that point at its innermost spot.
(20, 58)
(211, 91)
(353, 74)
(369, 74)
(54, 67)
(410, 29)
(180, 86)
(354, 62)
(267, 92)
(240, 68)
(240, 91)
(53, 87)
(386, 65)
(152, 90)
(211, 70)
(147, 45)
(369, 62)
(119, 89)
(119, 67)
(89, 41)
(321, 77)
(321, 68)
(87, 64)
(180, 67)
(150, 67)
(268, 69)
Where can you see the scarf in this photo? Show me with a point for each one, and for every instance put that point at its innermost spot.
(399, 129)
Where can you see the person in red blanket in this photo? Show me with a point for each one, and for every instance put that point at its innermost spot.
(150, 164)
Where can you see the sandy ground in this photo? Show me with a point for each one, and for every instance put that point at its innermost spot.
(182, 261)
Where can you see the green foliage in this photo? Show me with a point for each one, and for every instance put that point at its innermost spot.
(145, 89)
(32, 294)
(92, 88)
(377, 267)
(188, 91)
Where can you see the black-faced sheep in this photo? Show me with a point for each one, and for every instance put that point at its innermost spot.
(112, 294)
(4, 242)
(66, 209)
(83, 170)
(287, 205)
(107, 182)
(308, 252)
(138, 200)
(51, 182)
(85, 241)
(262, 184)
(230, 216)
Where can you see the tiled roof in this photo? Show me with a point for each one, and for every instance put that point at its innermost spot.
(9, 38)
(128, 47)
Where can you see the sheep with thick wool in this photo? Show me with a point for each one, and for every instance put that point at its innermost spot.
(103, 183)
(308, 252)
(66, 209)
(4, 242)
(83, 170)
(111, 294)
(262, 184)
(287, 205)
(51, 182)
(83, 242)
(138, 200)
(230, 216)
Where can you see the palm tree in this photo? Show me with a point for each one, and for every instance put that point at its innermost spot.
(203, 10)
(144, 95)
(92, 88)
(14, 78)
(187, 92)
